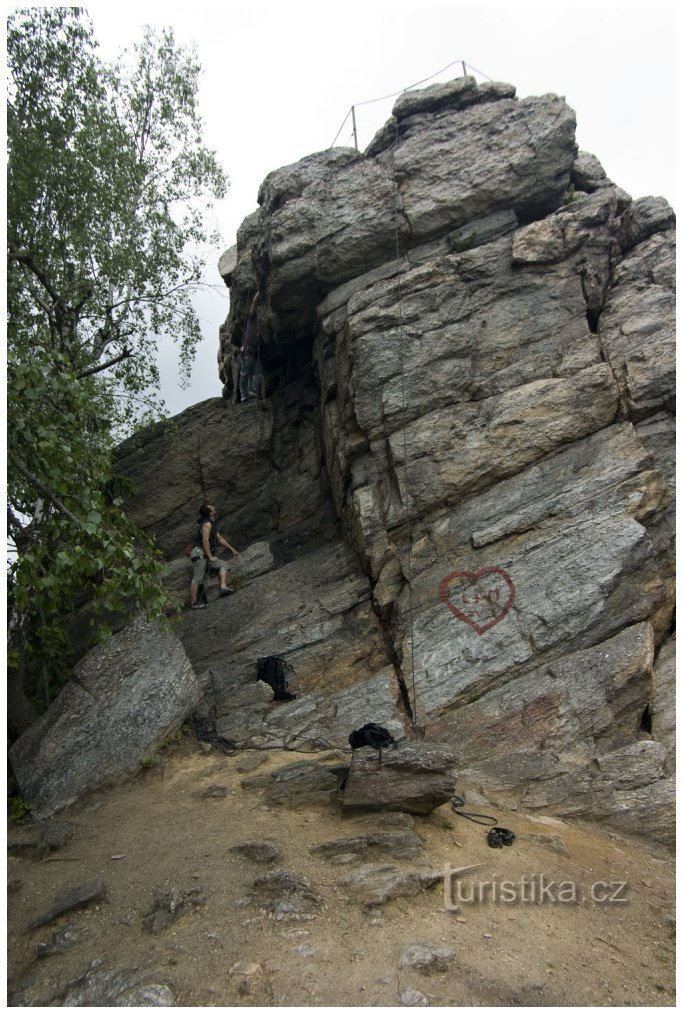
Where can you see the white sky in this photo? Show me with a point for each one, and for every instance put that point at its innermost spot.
(278, 82)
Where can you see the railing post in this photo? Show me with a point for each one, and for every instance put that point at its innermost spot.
(355, 135)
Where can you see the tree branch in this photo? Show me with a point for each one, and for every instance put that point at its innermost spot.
(27, 259)
(47, 492)
(35, 292)
(16, 529)
(156, 297)
(126, 354)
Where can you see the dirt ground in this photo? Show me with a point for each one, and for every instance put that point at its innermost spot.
(561, 933)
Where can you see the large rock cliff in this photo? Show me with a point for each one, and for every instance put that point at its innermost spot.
(455, 497)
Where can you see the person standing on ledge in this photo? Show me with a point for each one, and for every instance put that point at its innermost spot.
(248, 354)
(204, 556)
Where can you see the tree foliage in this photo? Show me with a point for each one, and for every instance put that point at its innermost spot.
(108, 186)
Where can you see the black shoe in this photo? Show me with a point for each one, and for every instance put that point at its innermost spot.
(227, 591)
(199, 605)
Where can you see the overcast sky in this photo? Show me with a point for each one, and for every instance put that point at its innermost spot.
(278, 82)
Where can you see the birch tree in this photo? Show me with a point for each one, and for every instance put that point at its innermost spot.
(108, 187)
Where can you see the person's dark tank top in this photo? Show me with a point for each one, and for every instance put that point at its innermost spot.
(212, 537)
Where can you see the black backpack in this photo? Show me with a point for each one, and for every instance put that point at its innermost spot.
(372, 735)
(271, 670)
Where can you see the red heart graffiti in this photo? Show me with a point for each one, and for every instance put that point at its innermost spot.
(479, 600)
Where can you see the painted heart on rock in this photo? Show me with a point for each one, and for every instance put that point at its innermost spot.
(479, 598)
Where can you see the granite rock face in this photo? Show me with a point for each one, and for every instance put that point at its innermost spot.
(461, 474)
(127, 696)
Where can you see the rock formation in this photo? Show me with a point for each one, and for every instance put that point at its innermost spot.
(456, 496)
(125, 696)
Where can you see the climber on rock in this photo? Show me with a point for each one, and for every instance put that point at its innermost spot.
(248, 354)
(204, 556)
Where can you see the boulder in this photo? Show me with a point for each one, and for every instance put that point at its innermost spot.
(305, 783)
(118, 987)
(127, 695)
(88, 893)
(628, 787)
(587, 173)
(413, 777)
(426, 957)
(258, 851)
(376, 885)
(288, 896)
(169, 905)
(62, 940)
(399, 844)
(413, 998)
(39, 838)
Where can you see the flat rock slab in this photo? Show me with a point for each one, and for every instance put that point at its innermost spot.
(376, 885)
(62, 940)
(251, 762)
(413, 777)
(400, 844)
(426, 957)
(258, 851)
(76, 897)
(168, 905)
(246, 969)
(304, 783)
(413, 998)
(39, 838)
(288, 896)
(213, 792)
(548, 841)
(118, 987)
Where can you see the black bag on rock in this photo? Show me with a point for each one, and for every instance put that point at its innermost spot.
(271, 670)
(372, 735)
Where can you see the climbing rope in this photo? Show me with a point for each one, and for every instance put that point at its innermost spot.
(405, 444)
(257, 357)
(497, 837)
(457, 802)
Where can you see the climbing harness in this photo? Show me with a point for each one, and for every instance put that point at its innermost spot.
(497, 836)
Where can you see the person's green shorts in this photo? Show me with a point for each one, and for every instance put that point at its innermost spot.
(200, 563)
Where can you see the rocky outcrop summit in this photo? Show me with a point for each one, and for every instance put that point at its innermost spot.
(455, 497)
